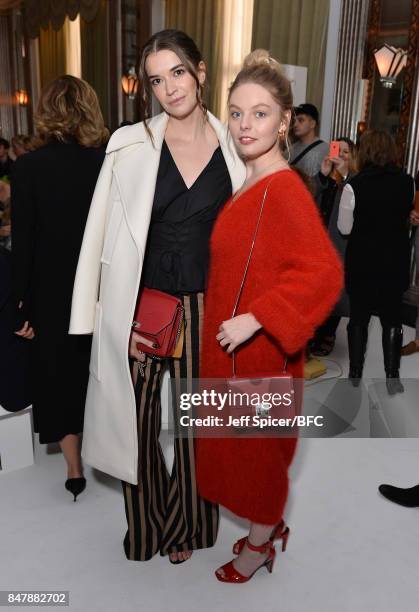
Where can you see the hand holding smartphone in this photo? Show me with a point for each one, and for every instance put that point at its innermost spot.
(334, 149)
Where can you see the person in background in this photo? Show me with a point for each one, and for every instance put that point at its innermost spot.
(18, 145)
(308, 151)
(332, 178)
(15, 372)
(374, 212)
(51, 192)
(408, 497)
(5, 161)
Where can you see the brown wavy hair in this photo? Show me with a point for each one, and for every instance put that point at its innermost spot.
(185, 48)
(377, 148)
(69, 107)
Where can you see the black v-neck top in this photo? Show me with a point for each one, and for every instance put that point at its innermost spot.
(176, 258)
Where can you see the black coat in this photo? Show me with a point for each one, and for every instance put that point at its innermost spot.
(378, 251)
(51, 193)
(15, 383)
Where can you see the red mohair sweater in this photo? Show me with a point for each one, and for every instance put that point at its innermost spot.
(293, 282)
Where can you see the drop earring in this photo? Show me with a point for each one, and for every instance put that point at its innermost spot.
(284, 138)
(288, 149)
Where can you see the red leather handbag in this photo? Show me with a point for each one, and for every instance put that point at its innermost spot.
(158, 317)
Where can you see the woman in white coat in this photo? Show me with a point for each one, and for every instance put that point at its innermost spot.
(161, 187)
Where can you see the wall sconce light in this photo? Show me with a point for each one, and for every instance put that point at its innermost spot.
(22, 97)
(130, 83)
(390, 62)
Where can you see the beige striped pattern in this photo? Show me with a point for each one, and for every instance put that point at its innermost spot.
(164, 511)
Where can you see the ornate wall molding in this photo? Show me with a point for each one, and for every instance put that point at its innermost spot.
(370, 46)
(353, 27)
(408, 136)
(412, 144)
(38, 13)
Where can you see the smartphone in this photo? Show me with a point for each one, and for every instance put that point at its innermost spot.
(334, 149)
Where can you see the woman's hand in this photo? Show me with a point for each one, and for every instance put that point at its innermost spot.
(414, 218)
(237, 330)
(326, 167)
(26, 332)
(133, 350)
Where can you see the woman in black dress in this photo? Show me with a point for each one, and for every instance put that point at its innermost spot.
(176, 262)
(374, 210)
(51, 193)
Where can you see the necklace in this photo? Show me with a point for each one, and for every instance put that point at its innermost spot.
(255, 179)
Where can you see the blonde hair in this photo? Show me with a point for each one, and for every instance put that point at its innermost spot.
(69, 107)
(260, 68)
(28, 143)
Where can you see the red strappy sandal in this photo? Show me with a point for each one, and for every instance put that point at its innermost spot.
(280, 532)
(232, 575)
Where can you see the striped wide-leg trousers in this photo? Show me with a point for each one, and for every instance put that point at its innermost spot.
(164, 512)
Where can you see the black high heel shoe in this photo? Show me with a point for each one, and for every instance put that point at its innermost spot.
(75, 486)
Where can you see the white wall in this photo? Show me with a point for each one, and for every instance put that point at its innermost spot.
(157, 16)
(330, 69)
(298, 77)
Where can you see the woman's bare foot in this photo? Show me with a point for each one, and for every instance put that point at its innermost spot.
(180, 556)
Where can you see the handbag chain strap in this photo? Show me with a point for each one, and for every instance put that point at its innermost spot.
(246, 268)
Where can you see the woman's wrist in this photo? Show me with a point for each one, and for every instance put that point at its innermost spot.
(254, 322)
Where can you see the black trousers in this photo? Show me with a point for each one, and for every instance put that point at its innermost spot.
(386, 304)
(328, 328)
(164, 511)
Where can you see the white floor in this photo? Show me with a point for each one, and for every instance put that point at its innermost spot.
(350, 550)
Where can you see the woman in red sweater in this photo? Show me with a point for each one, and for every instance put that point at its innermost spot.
(293, 281)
